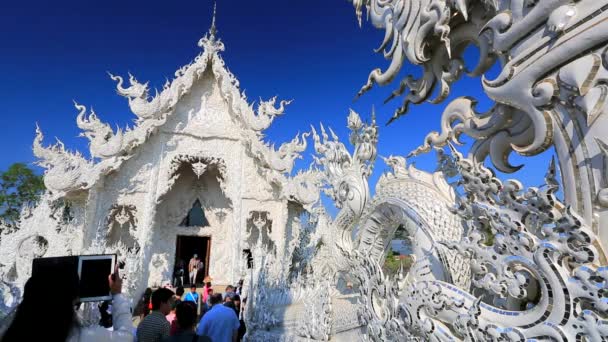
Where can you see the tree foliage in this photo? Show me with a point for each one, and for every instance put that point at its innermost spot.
(19, 186)
(393, 262)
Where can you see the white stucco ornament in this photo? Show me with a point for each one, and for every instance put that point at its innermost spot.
(492, 259)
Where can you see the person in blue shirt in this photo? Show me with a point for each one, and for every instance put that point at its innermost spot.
(192, 296)
(220, 323)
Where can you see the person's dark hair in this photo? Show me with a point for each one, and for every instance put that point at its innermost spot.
(229, 288)
(216, 298)
(106, 317)
(179, 291)
(185, 314)
(193, 286)
(230, 304)
(159, 296)
(51, 290)
(236, 298)
(175, 304)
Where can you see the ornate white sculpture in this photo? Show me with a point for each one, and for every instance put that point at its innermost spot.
(533, 260)
(548, 93)
(493, 260)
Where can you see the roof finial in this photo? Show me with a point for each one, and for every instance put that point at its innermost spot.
(213, 30)
(209, 41)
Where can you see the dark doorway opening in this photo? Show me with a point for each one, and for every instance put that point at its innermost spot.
(186, 247)
(249, 257)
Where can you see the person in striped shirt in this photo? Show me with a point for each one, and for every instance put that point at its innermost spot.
(155, 327)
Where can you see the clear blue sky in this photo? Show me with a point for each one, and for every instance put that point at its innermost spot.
(310, 51)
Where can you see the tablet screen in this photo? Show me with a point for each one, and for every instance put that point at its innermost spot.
(94, 271)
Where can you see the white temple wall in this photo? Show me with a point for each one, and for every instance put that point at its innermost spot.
(128, 186)
(277, 213)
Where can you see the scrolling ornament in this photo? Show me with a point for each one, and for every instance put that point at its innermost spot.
(537, 279)
(536, 263)
(550, 91)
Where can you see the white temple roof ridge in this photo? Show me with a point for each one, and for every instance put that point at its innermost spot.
(109, 148)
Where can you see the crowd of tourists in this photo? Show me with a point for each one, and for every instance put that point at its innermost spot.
(166, 314)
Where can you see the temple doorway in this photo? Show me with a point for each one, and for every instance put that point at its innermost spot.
(187, 246)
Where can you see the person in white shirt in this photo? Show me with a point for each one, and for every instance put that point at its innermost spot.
(46, 312)
(193, 269)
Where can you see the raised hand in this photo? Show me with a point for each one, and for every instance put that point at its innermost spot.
(115, 281)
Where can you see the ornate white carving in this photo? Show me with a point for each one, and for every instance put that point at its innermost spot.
(123, 215)
(492, 259)
(602, 195)
(199, 168)
(549, 92)
(530, 255)
(347, 174)
(199, 165)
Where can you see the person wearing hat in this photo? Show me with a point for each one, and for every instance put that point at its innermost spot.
(192, 269)
(206, 288)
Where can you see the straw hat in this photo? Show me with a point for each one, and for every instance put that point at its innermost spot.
(207, 279)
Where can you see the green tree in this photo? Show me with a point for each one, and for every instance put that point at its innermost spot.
(19, 186)
(393, 262)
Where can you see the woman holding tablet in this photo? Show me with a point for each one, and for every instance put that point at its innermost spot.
(46, 312)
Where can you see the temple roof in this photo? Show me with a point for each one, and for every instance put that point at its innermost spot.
(67, 172)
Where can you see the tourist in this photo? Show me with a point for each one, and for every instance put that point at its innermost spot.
(105, 310)
(192, 296)
(186, 319)
(220, 323)
(207, 304)
(172, 317)
(155, 326)
(228, 300)
(179, 292)
(142, 309)
(239, 288)
(200, 269)
(179, 273)
(229, 291)
(206, 288)
(236, 301)
(242, 327)
(47, 313)
(233, 301)
(192, 270)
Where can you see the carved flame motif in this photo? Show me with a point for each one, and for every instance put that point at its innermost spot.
(199, 165)
(199, 168)
(123, 215)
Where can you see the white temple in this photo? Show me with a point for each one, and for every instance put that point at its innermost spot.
(494, 260)
(192, 176)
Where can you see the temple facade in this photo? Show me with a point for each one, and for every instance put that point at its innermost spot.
(193, 176)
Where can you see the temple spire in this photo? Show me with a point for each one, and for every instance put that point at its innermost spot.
(213, 29)
(209, 41)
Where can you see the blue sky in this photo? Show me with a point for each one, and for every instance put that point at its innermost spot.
(310, 51)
